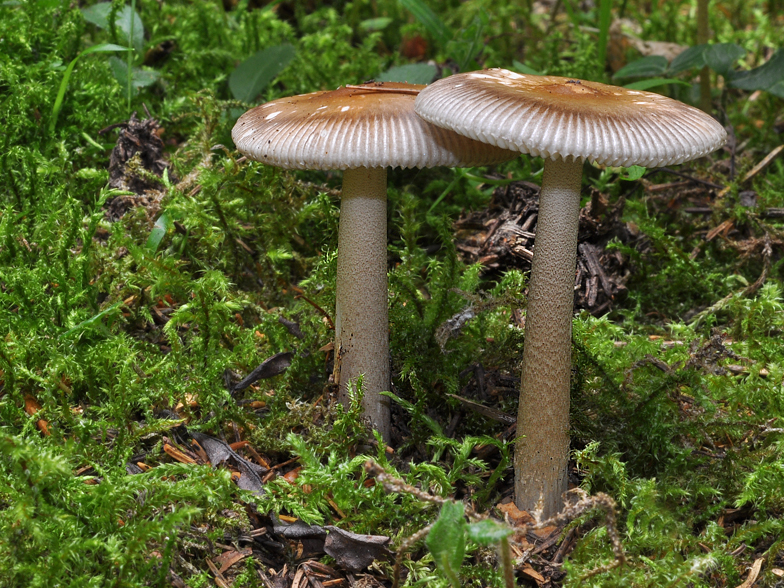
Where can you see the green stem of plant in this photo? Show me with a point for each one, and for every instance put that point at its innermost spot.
(129, 73)
(506, 563)
(605, 18)
(451, 575)
(703, 35)
(443, 194)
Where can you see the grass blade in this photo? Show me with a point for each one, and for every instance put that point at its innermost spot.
(434, 25)
(58, 102)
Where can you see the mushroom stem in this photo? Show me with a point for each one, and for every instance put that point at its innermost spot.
(542, 450)
(361, 303)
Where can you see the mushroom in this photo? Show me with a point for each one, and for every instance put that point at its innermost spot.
(362, 130)
(566, 122)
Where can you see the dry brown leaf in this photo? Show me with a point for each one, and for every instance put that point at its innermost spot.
(220, 581)
(229, 558)
(177, 454)
(753, 573)
(516, 516)
(32, 406)
(531, 573)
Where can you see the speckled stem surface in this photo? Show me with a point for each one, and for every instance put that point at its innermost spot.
(541, 454)
(361, 307)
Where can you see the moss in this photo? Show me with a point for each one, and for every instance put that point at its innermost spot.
(679, 423)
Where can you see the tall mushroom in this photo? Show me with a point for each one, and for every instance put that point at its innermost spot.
(565, 121)
(362, 130)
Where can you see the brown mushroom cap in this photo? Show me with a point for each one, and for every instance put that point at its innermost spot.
(555, 117)
(373, 125)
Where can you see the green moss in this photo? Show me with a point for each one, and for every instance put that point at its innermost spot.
(660, 420)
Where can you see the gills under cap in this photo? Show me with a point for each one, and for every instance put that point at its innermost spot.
(563, 118)
(371, 125)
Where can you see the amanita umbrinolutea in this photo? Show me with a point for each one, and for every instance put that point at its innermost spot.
(362, 130)
(566, 122)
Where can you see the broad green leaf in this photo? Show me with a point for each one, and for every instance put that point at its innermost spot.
(446, 540)
(254, 74)
(414, 73)
(524, 69)
(721, 56)
(488, 532)
(375, 24)
(692, 57)
(123, 23)
(434, 26)
(140, 78)
(652, 65)
(654, 82)
(633, 173)
(159, 230)
(98, 14)
(777, 89)
(767, 76)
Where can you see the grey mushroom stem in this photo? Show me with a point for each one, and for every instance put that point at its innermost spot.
(542, 450)
(361, 303)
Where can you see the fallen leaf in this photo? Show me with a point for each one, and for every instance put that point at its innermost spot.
(516, 516)
(273, 366)
(228, 558)
(753, 573)
(177, 454)
(355, 552)
(218, 451)
(531, 573)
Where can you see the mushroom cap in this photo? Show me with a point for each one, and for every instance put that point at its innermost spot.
(372, 125)
(562, 118)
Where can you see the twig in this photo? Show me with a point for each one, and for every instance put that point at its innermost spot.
(688, 177)
(583, 504)
(317, 307)
(380, 88)
(767, 252)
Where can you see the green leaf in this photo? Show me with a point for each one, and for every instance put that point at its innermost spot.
(254, 74)
(104, 48)
(434, 26)
(446, 540)
(633, 173)
(777, 89)
(605, 18)
(94, 321)
(467, 45)
(159, 230)
(768, 76)
(524, 69)
(691, 58)
(721, 56)
(654, 82)
(488, 532)
(123, 22)
(140, 78)
(375, 24)
(414, 73)
(98, 14)
(652, 65)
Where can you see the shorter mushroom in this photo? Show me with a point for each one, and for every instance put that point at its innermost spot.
(362, 130)
(566, 122)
